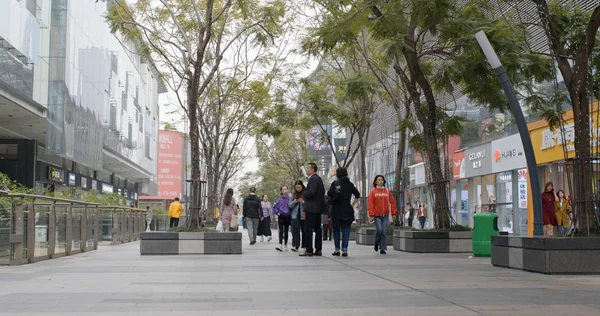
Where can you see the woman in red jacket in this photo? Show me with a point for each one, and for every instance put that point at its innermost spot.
(381, 205)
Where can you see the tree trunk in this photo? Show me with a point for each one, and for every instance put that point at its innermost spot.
(363, 179)
(194, 206)
(399, 172)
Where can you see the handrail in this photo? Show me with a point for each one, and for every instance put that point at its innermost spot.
(48, 198)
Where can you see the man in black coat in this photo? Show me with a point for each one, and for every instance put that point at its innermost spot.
(314, 205)
(251, 212)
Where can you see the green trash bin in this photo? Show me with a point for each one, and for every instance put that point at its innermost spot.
(485, 225)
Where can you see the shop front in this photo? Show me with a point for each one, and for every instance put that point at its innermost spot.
(509, 166)
(419, 192)
(486, 179)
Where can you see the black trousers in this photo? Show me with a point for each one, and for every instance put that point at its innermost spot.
(173, 222)
(297, 232)
(283, 232)
(313, 224)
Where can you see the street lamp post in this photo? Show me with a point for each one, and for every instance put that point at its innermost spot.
(513, 102)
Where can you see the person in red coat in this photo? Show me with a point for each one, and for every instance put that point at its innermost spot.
(381, 205)
(549, 198)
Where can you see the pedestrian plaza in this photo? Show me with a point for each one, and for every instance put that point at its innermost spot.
(117, 280)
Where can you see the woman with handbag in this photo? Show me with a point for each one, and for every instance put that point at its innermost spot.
(342, 212)
(264, 227)
(281, 208)
(228, 210)
(381, 207)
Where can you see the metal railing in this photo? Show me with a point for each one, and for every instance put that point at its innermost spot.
(35, 228)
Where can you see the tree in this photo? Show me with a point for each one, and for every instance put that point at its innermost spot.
(571, 34)
(188, 40)
(434, 53)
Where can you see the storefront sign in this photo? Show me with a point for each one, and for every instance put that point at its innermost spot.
(508, 154)
(458, 165)
(522, 176)
(478, 160)
(84, 182)
(107, 188)
(72, 179)
(550, 145)
(56, 174)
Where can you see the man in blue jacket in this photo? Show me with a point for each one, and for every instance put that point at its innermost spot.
(314, 204)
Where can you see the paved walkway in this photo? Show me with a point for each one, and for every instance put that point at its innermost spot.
(116, 280)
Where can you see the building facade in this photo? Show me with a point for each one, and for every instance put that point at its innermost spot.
(79, 104)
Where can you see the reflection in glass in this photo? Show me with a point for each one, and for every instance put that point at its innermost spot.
(41, 230)
(76, 229)
(61, 229)
(5, 208)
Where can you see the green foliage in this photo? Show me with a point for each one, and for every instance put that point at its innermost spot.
(182, 229)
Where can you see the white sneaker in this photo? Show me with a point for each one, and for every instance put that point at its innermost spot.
(262, 239)
(294, 249)
(285, 248)
(269, 239)
(279, 248)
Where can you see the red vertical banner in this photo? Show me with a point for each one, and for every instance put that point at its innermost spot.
(170, 166)
(458, 165)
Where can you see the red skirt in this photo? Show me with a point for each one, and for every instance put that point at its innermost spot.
(550, 218)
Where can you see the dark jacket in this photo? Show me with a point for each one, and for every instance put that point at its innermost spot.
(340, 193)
(314, 196)
(252, 207)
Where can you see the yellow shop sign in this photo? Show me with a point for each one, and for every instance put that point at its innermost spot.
(550, 145)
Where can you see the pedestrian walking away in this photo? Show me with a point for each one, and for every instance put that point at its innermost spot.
(314, 203)
(298, 216)
(381, 205)
(410, 211)
(175, 210)
(342, 211)
(264, 227)
(148, 218)
(251, 210)
(284, 217)
(228, 210)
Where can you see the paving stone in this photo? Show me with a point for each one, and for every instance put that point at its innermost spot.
(117, 280)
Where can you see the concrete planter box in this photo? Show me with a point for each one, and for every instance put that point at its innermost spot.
(547, 255)
(353, 233)
(204, 243)
(433, 242)
(366, 236)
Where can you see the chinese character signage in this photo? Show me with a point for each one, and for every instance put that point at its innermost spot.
(522, 176)
(478, 160)
(550, 145)
(170, 166)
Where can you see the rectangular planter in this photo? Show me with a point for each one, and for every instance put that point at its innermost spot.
(201, 243)
(353, 232)
(547, 255)
(366, 236)
(433, 242)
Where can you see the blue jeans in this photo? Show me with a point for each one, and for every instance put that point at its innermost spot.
(345, 237)
(381, 223)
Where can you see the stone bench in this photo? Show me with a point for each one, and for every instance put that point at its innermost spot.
(432, 241)
(547, 255)
(366, 236)
(190, 243)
